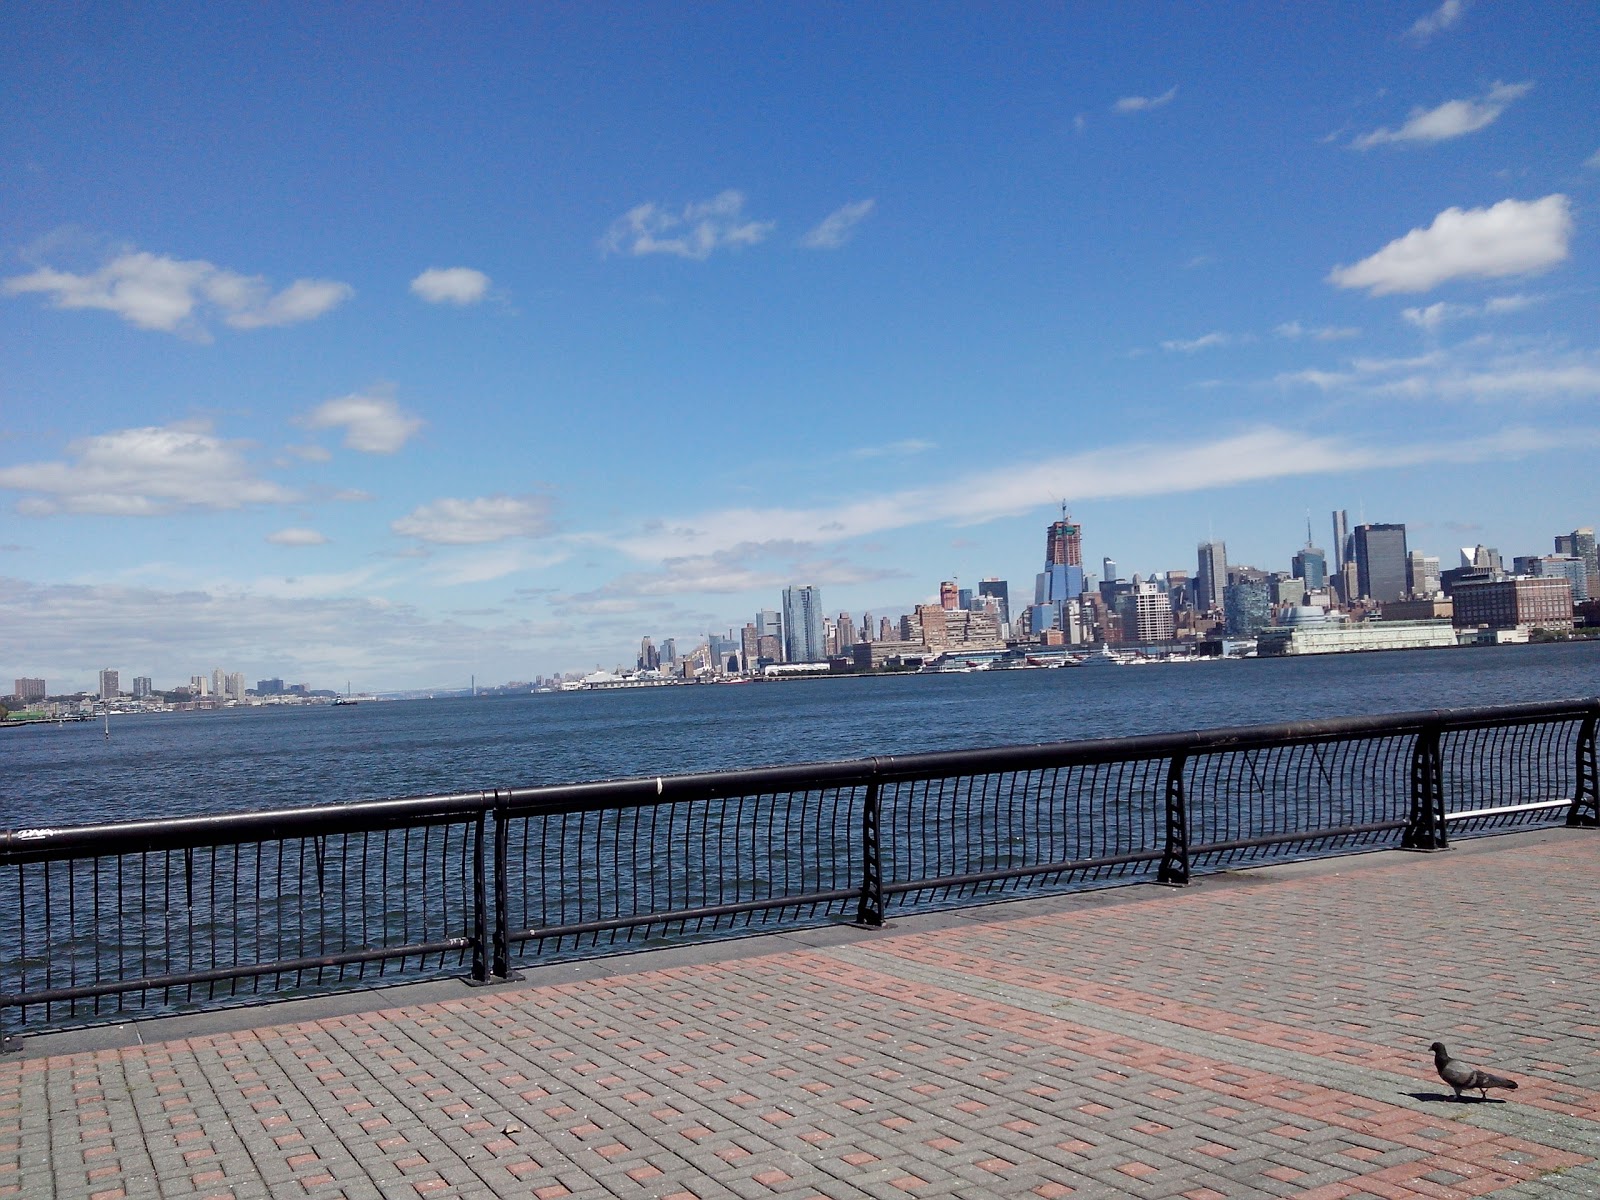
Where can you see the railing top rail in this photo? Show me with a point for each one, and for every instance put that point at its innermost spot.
(649, 790)
(818, 776)
(217, 829)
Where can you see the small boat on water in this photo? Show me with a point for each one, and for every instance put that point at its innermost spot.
(1105, 656)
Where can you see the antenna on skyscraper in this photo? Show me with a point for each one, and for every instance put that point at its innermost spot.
(1308, 527)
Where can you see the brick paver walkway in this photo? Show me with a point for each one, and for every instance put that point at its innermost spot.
(1262, 1034)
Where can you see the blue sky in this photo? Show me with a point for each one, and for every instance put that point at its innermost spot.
(399, 345)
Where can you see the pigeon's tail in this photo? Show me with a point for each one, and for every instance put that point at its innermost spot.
(1483, 1079)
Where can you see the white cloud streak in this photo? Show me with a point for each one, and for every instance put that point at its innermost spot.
(455, 522)
(839, 226)
(171, 295)
(297, 537)
(1140, 469)
(695, 233)
(1452, 119)
(1514, 237)
(143, 472)
(1434, 316)
(451, 285)
(372, 423)
(1295, 331)
(1471, 373)
(1133, 104)
(1204, 342)
(1440, 19)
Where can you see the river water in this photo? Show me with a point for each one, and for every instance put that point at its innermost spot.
(181, 763)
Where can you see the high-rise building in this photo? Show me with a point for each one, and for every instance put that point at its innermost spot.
(1509, 603)
(649, 656)
(1247, 602)
(236, 686)
(1211, 576)
(1341, 539)
(1152, 613)
(199, 685)
(847, 633)
(110, 684)
(219, 683)
(750, 646)
(1380, 553)
(269, 687)
(949, 595)
(142, 689)
(1482, 558)
(1422, 574)
(1311, 567)
(770, 624)
(1000, 590)
(802, 624)
(669, 652)
(30, 689)
(885, 630)
(1060, 584)
(1580, 544)
(1564, 566)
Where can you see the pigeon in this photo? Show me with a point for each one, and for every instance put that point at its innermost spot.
(1459, 1076)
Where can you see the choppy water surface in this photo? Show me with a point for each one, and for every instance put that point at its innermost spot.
(176, 763)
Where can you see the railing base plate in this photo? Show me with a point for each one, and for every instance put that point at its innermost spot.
(514, 977)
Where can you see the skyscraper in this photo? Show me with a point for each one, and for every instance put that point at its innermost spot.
(1211, 576)
(949, 595)
(110, 684)
(999, 589)
(1341, 539)
(1580, 544)
(1381, 562)
(1060, 584)
(802, 624)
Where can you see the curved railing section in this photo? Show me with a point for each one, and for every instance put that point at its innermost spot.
(121, 920)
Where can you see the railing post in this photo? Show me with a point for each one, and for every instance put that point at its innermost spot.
(1426, 830)
(1585, 810)
(1175, 862)
(869, 910)
(480, 903)
(502, 887)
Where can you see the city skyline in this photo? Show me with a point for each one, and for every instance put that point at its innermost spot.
(397, 351)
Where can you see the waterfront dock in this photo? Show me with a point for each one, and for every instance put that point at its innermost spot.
(1260, 1033)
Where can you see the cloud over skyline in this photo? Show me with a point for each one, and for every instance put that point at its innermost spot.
(1133, 104)
(144, 472)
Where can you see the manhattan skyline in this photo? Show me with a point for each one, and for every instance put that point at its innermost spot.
(398, 350)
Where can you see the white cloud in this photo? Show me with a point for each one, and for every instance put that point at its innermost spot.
(1294, 331)
(1204, 342)
(1441, 18)
(903, 448)
(297, 537)
(143, 472)
(1130, 104)
(373, 424)
(1452, 119)
(300, 629)
(710, 225)
(839, 226)
(1435, 315)
(1514, 237)
(451, 285)
(1474, 371)
(173, 296)
(1139, 469)
(1593, 161)
(453, 522)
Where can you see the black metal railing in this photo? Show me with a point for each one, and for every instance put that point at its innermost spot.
(153, 915)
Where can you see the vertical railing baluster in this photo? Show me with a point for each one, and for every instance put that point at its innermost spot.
(869, 910)
(1175, 860)
(480, 903)
(1426, 830)
(502, 886)
(1585, 810)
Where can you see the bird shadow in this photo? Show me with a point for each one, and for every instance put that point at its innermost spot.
(1432, 1097)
